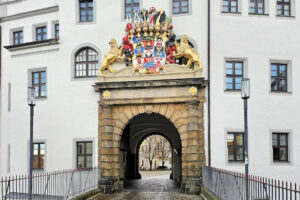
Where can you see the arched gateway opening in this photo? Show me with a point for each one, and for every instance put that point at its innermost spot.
(129, 111)
(139, 128)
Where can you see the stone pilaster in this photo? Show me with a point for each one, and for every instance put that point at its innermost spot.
(192, 155)
(108, 151)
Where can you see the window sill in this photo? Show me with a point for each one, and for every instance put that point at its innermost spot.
(236, 163)
(232, 91)
(38, 170)
(282, 163)
(285, 17)
(85, 78)
(34, 44)
(280, 93)
(86, 23)
(229, 13)
(180, 14)
(40, 98)
(261, 15)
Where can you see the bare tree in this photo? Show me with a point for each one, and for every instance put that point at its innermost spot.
(155, 147)
(164, 150)
(151, 149)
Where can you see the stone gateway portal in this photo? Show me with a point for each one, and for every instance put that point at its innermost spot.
(131, 110)
(150, 95)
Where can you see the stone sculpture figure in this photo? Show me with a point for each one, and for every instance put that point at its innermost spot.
(115, 54)
(184, 50)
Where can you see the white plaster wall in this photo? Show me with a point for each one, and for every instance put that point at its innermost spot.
(258, 39)
(70, 110)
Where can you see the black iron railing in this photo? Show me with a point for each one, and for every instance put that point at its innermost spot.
(56, 185)
(229, 185)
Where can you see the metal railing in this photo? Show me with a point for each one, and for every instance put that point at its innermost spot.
(56, 185)
(229, 185)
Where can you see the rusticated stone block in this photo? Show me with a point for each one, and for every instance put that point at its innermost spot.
(149, 108)
(111, 151)
(128, 113)
(191, 157)
(109, 144)
(170, 111)
(156, 108)
(163, 109)
(190, 142)
(141, 109)
(109, 158)
(134, 110)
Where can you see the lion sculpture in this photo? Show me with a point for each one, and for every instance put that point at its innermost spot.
(184, 50)
(115, 54)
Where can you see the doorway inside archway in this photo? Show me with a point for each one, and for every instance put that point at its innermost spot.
(155, 157)
(140, 130)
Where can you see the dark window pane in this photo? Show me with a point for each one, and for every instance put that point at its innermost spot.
(280, 146)
(235, 145)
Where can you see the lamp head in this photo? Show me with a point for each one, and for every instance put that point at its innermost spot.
(245, 92)
(31, 96)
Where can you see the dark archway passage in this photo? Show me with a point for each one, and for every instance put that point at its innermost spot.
(138, 128)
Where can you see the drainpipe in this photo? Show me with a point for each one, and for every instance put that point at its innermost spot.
(208, 85)
(0, 88)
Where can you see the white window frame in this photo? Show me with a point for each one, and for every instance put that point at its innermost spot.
(95, 154)
(77, 14)
(234, 130)
(289, 76)
(11, 34)
(45, 156)
(290, 161)
(239, 11)
(245, 71)
(190, 3)
(38, 69)
(35, 26)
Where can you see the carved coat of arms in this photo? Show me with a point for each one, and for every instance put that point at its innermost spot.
(150, 44)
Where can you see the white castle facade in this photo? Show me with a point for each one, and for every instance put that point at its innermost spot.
(49, 44)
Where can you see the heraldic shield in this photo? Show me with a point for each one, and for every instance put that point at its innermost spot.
(149, 55)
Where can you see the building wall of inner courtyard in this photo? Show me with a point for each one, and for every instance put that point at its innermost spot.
(69, 113)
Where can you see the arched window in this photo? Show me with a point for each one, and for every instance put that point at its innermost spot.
(183, 60)
(86, 63)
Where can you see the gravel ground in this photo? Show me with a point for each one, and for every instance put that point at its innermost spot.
(154, 185)
(149, 196)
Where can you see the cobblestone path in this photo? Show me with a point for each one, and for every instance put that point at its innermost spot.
(150, 189)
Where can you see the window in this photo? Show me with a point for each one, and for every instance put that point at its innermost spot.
(84, 154)
(131, 6)
(17, 37)
(86, 10)
(38, 155)
(234, 75)
(86, 63)
(257, 6)
(235, 146)
(280, 146)
(56, 27)
(279, 77)
(230, 6)
(180, 6)
(41, 33)
(283, 7)
(39, 82)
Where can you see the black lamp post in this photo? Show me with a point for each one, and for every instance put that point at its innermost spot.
(245, 92)
(31, 103)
